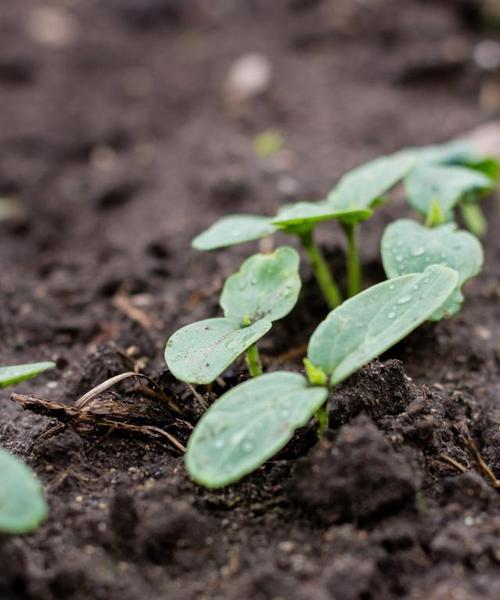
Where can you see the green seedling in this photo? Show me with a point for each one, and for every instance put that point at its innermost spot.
(299, 219)
(449, 186)
(22, 504)
(18, 373)
(350, 203)
(249, 424)
(265, 289)
(408, 247)
(364, 188)
(450, 175)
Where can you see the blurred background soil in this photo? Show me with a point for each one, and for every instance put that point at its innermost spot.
(128, 126)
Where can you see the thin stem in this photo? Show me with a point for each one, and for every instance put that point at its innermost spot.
(474, 219)
(322, 271)
(353, 262)
(253, 361)
(322, 418)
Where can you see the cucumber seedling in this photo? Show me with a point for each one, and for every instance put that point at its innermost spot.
(408, 247)
(350, 203)
(250, 423)
(449, 176)
(22, 504)
(265, 289)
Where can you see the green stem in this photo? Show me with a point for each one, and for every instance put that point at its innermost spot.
(353, 262)
(253, 361)
(322, 418)
(474, 219)
(321, 270)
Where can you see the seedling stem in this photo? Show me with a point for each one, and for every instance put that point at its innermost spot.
(321, 270)
(474, 219)
(322, 419)
(353, 263)
(253, 361)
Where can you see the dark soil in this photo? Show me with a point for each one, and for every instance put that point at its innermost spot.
(118, 146)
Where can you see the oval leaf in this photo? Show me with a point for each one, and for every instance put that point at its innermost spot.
(232, 230)
(22, 505)
(303, 216)
(408, 247)
(363, 187)
(374, 320)
(200, 352)
(456, 152)
(266, 287)
(18, 373)
(248, 425)
(444, 184)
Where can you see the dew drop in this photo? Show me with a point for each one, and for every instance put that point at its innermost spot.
(391, 287)
(219, 443)
(399, 257)
(391, 315)
(247, 446)
(284, 414)
(418, 251)
(404, 300)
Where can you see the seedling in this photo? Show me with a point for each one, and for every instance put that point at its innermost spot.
(18, 373)
(364, 188)
(408, 247)
(350, 203)
(265, 289)
(249, 424)
(22, 504)
(449, 186)
(448, 176)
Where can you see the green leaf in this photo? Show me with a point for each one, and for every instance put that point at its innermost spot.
(267, 286)
(487, 165)
(363, 187)
(248, 425)
(267, 143)
(18, 373)
(444, 184)
(232, 230)
(408, 247)
(200, 352)
(304, 216)
(368, 324)
(474, 218)
(456, 152)
(22, 505)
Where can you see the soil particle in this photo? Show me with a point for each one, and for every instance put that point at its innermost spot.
(355, 477)
(380, 389)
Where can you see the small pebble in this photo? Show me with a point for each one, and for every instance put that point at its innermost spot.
(248, 77)
(52, 27)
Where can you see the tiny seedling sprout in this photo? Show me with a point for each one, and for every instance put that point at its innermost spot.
(254, 420)
(265, 289)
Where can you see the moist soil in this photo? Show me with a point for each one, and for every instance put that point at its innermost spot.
(118, 146)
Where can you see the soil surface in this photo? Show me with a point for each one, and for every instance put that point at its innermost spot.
(118, 146)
